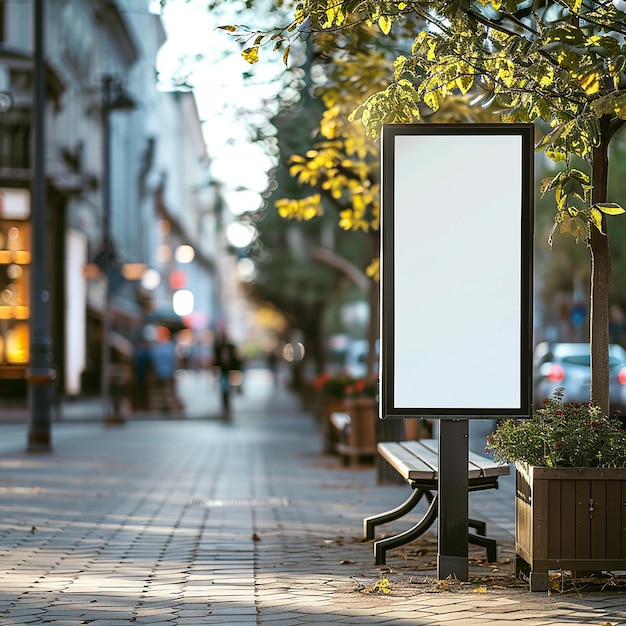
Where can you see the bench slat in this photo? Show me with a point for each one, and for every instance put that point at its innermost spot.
(428, 449)
(415, 456)
(405, 463)
(424, 452)
(485, 466)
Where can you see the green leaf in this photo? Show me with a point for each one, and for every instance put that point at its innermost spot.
(554, 135)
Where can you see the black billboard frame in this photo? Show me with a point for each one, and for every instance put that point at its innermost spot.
(519, 139)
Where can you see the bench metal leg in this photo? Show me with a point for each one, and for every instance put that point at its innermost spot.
(369, 523)
(490, 544)
(479, 526)
(381, 546)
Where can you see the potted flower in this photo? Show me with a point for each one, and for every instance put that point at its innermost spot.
(363, 389)
(570, 459)
(336, 387)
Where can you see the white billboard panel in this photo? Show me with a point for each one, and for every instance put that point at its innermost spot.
(456, 270)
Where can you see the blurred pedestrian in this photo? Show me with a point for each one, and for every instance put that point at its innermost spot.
(142, 365)
(229, 363)
(272, 364)
(163, 353)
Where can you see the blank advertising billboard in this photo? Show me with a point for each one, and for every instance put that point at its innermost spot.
(456, 280)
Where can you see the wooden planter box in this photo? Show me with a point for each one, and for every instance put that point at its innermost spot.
(569, 519)
(359, 438)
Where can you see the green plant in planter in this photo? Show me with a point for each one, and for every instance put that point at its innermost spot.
(363, 388)
(336, 386)
(561, 434)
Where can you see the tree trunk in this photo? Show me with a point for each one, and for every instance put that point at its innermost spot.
(373, 329)
(600, 278)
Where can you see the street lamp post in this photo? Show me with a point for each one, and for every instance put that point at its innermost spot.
(113, 99)
(40, 373)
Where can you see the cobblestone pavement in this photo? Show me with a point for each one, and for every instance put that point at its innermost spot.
(199, 521)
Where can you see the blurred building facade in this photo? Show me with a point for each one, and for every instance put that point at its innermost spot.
(100, 60)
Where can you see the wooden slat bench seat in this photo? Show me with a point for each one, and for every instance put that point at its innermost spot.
(418, 463)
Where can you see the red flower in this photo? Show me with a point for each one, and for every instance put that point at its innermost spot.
(359, 386)
(319, 381)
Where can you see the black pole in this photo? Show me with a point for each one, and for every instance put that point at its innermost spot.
(452, 555)
(40, 372)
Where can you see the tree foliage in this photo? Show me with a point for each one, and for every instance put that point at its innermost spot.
(559, 64)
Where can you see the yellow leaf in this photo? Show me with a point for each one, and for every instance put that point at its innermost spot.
(373, 270)
(286, 54)
(595, 217)
(480, 590)
(384, 23)
(547, 78)
(609, 208)
(251, 55)
(546, 185)
(560, 196)
(230, 29)
(465, 82)
(433, 100)
(590, 83)
(334, 16)
(555, 154)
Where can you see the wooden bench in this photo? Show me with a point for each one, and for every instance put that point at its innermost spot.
(418, 463)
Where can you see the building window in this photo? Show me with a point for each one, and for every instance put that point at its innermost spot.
(14, 276)
(15, 140)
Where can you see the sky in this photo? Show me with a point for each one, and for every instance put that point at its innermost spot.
(220, 92)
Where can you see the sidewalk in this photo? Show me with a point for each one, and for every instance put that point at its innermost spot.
(196, 521)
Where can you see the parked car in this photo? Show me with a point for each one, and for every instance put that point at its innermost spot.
(567, 365)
